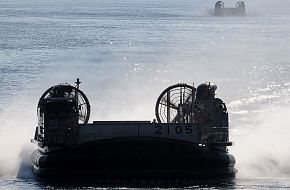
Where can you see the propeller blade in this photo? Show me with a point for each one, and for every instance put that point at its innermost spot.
(172, 105)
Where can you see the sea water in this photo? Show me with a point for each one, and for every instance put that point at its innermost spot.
(126, 52)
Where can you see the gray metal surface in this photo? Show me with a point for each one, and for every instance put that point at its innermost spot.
(108, 130)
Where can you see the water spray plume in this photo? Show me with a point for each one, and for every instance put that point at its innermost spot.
(263, 151)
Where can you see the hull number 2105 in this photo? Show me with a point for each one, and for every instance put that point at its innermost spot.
(173, 129)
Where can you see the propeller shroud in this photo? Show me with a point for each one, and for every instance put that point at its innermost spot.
(175, 104)
(71, 92)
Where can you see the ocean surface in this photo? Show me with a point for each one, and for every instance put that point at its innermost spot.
(126, 52)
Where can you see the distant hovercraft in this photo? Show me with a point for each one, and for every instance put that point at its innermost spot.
(238, 10)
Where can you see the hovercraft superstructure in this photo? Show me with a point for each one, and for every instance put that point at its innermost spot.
(238, 10)
(188, 138)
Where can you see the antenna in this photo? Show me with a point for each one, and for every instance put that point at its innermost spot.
(192, 102)
(78, 83)
(76, 95)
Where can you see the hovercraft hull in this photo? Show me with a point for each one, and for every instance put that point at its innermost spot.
(135, 158)
(230, 12)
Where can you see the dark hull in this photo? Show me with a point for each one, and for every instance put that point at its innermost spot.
(144, 158)
(230, 12)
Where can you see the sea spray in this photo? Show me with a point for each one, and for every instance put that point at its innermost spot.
(16, 129)
(24, 165)
(263, 151)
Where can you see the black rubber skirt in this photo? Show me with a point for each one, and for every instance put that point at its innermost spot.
(135, 158)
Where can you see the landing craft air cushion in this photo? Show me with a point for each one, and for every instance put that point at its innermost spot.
(238, 10)
(187, 140)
